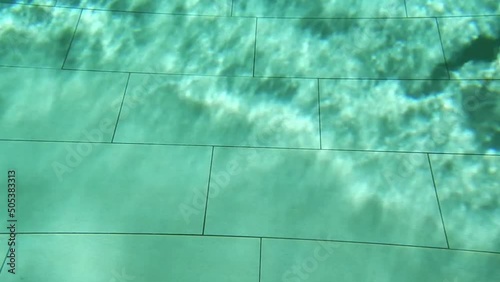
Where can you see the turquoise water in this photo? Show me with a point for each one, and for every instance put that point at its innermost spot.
(251, 140)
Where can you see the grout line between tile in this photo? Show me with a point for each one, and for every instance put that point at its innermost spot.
(121, 106)
(232, 5)
(406, 8)
(208, 190)
(438, 202)
(138, 12)
(72, 38)
(256, 77)
(255, 47)
(254, 147)
(264, 17)
(4, 260)
(260, 260)
(370, 18)
(442, 49)
(257, 237)
(319, 117)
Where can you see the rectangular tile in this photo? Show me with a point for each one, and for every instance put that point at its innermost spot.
(426, 115)
(319, 8)
(100, 258)
(382, 48)
(35, 36)
(220, 111)
(469, 193)
(84, 187)
(425, 8)
(200, 7)
(59, 105)
(354, 196)
(474, 51)
(288, 260)
(163, 44)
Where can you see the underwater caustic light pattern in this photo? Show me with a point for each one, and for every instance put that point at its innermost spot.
(250, 140)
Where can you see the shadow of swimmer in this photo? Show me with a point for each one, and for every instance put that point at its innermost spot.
(302, 269)
(77, 152)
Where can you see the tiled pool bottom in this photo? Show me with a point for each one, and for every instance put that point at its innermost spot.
(253, 141)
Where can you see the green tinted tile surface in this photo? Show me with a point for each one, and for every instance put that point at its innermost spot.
(426, 8)
(203, 7)
(107, 188)
(233, 111)
(376, 197)
(474, 51)
(469, 192)
(35, 2)
(393, 48)
(163, 43)
(100, 258)
(431, 115)
(59, 105)
(288, 260)
(35, 36)
(269, 111)
(319, 8)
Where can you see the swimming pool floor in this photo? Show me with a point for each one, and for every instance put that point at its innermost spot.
(250, 141)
